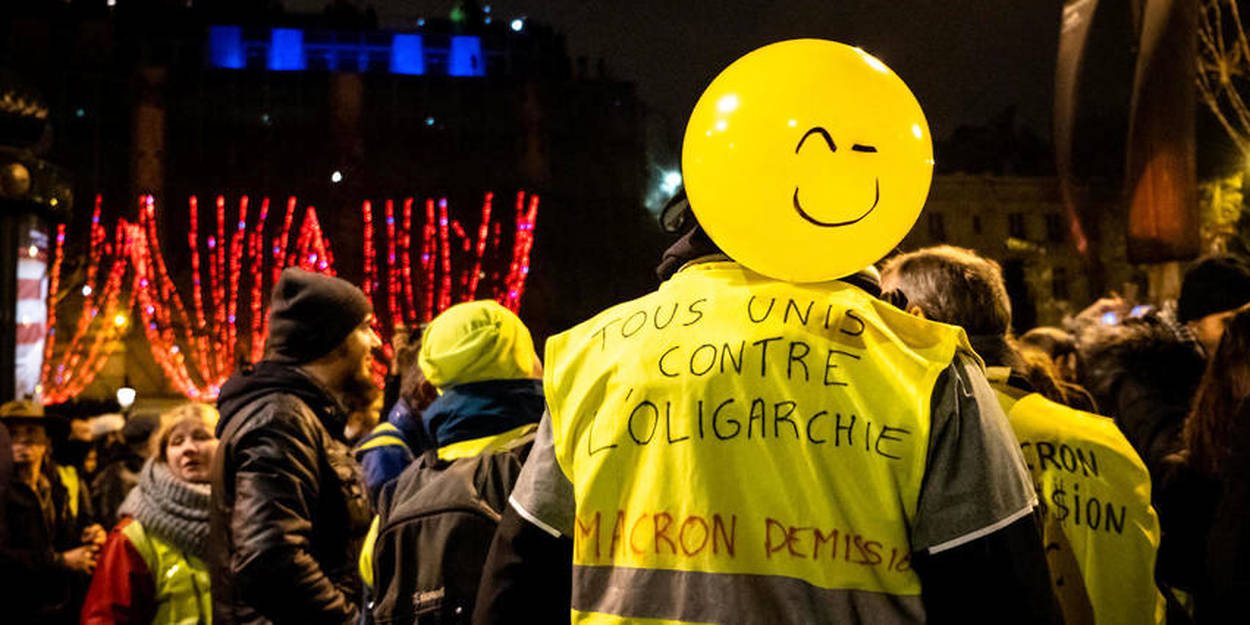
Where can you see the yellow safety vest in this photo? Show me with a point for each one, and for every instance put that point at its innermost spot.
(732, 434)
(1100, 532)
(73, 485)
(182, 580)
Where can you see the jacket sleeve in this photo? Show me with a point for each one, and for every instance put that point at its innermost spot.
(1152, 422)
(122, 590)
(528, 575)
(381, 465)
(975, 526)
(998, 578)
(276, 481)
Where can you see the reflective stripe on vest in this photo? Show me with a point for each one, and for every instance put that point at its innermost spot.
(366, 553)
(384, 435)
(694, 597)
(485, 444)
(733, 427)
(181, 580)
(1100, 530)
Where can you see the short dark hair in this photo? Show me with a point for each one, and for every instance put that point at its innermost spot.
(954, 285)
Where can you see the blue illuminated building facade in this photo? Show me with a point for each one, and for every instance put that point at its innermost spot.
(298, 49)
(189, 101)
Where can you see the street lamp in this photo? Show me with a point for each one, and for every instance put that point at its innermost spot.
(125, 398)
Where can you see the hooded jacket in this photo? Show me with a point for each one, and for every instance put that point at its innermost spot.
(288, 509)
(1143, 373)
(479, 409)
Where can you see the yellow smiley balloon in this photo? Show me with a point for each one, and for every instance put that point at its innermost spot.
(807, 160)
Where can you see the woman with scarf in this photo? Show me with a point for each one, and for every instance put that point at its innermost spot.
(152, 568)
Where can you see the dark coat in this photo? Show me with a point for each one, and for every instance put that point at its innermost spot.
(288, 509)
(1206, 532)
(1143, 373)
(39, 588)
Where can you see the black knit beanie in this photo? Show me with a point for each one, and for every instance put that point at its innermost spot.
(1211, 285)
(311, 314)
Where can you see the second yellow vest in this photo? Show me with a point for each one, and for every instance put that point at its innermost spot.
(1100, 532)
(756, 433)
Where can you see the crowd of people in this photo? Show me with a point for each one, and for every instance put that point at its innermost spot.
(828, 446)
(272, 513)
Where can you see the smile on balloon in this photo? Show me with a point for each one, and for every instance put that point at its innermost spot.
(834, 224)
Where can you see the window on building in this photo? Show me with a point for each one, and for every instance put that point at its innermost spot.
(1015, 226)
(937, 227)
(1054, 228)
(976, 224)
(1059, 284)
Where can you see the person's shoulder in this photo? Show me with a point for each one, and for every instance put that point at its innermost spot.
(278, 412)
(1051, 419)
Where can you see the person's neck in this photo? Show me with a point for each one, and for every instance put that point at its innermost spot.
(28, 473)
(326, 377)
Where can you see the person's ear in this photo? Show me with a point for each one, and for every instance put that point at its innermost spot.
(917, 311)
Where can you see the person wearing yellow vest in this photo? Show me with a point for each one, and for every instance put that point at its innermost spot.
(1100, 532)
(152, 568)
(763, 439)
(479, 357)
(46, 557)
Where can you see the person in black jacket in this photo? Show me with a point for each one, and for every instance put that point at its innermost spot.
(46, 555)
(1204, 500)
(1144, 371)
(288, 508)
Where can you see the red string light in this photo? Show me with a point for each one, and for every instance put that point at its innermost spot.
(236, 276)
(444, 238)
(428, 247)
(75, 354)
(256, 255)
(521, 247)
(406, 259)
(196, 351)
(218, 276)
(482, 230)
(80, 363)
(393, 289)
(54, 285)
(371, 269)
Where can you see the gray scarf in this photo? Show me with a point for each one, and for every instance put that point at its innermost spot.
(170, 509)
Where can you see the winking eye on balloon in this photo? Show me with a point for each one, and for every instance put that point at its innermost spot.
(807, 160)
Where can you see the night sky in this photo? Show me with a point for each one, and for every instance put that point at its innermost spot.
(966, 60)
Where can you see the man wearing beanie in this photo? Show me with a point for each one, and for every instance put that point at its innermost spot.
(1212, 290)
(288, 510)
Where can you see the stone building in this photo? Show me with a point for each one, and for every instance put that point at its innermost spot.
(1019, 221)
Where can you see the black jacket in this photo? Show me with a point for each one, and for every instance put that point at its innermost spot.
(35, 585)
(1143, 373)
(1206, 531)
(288, 508)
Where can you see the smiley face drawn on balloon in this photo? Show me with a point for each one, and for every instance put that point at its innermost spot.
(876, 182)
(807, 160)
